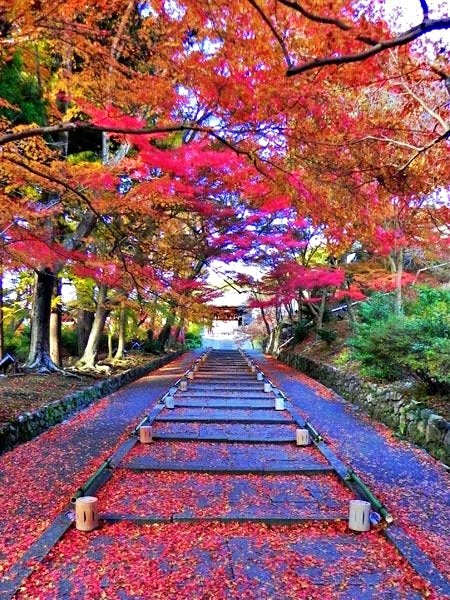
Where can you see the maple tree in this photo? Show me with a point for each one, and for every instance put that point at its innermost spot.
(161, 128)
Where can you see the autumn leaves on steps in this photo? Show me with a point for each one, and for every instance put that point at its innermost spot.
(222, 503)
(224, 454)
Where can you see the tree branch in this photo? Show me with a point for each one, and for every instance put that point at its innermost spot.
(275, 33)
(424, 7)
(405, 38)
(444, 136)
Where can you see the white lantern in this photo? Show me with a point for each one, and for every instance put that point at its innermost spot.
(359, 515)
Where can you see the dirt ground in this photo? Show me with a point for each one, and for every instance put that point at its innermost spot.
(21, 392)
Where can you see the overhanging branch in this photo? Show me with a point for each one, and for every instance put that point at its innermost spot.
(405, 38)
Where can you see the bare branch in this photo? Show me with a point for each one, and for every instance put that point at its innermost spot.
(424, 7)
(275, 33)
(444, 136)
(401, 40)
(437, 117)
(316, 18)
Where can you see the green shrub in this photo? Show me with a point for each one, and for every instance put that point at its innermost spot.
(301, 331)
(18, 344)
(327, 335)
(193, 340)
(390, 346)
(69, 340)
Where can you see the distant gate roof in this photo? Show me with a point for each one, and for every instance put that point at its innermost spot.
(229, 313)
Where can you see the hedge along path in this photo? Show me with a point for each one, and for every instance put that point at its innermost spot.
(252, 475)
(38, 478)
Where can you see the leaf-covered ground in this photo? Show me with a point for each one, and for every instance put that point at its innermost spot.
(224, 562)
(414, 486)
(211, 560)
(38, 478)
(22, 393)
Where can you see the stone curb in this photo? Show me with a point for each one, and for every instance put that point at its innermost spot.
(28, 425)
(411, 418)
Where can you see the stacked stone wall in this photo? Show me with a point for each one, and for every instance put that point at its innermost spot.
(30, 424)
(389, 404)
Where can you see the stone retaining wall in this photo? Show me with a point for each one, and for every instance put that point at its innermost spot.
(389, 404)
(30, 424)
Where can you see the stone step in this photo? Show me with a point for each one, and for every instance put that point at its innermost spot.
(237, 468)
(211, 415)
(209, 457)
(224, 395)
(246, 403)
(270, 518)
(244, 433)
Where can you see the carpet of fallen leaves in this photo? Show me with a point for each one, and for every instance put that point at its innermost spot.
(35, 490)
(418, 499)
(163, 494)
(23, 392)
(223, 561)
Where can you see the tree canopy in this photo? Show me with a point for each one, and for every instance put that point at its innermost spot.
(142, 140)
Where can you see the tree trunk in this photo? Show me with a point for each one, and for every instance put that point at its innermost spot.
(264, 318)
(122, 329)
(56, 326)
(110, 343)
(89, 357)
(164, 334)
(274, 340)
(323, 303)
(39, 356)
(85, 319)
(398, 283)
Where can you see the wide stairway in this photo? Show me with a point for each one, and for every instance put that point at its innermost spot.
(224, 453)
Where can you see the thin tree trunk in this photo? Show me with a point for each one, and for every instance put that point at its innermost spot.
(323, 303)
(89, 357)
(398, 283)
(122, 330)
(56, 326)
(85, 319)
(264, 318)
(110, 343)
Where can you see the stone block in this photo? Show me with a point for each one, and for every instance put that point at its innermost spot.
(436, 428)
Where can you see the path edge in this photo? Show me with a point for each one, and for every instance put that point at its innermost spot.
(29, 425)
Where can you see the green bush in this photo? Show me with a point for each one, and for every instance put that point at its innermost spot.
(69, 340)
(301, 331)
(193, 340)
(390, 346)
(18, 344)
(327, 335)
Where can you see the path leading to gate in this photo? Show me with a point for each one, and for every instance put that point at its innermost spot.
(223, 503)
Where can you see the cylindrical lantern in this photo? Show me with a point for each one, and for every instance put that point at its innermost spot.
(170, 402)
(359, 515)
(302, 437)
(259, 376)
(279, 403)
(190, 375)
(145, 434)
(86, 513)
(267, 387)
(253, 368)
(183, 385)
(195, 368)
